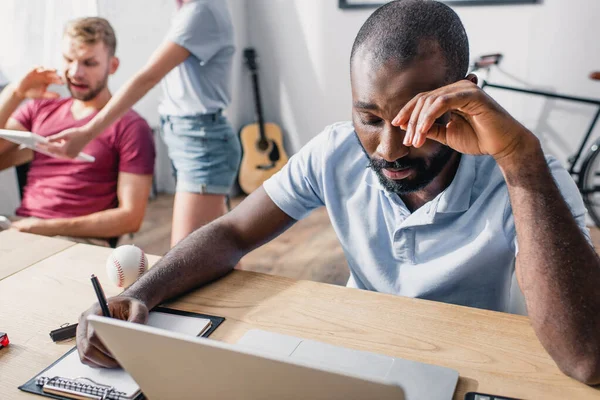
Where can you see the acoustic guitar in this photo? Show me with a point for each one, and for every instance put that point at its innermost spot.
(262, 143)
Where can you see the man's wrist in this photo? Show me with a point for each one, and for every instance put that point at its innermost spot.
(49, 227)
(524, 163)
(15, 92)
(520, 154)
(140, 295)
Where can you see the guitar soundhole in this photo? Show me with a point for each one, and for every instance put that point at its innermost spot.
(262, 144)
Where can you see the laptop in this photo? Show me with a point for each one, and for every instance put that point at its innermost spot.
(264, 365)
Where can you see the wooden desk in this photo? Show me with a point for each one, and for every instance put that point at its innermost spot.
(20, 250)
(494, 352)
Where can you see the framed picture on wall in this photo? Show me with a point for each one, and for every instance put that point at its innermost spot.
(377, 3)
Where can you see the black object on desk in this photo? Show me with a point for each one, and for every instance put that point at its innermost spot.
(68, 332)
(101, 297)
(63, 333)
(484, 396)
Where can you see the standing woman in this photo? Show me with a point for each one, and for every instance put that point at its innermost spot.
(193, 66)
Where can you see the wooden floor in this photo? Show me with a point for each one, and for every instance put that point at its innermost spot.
(309, 250)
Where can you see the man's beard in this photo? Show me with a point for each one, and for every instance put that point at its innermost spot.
(91, 93)
(425, 170)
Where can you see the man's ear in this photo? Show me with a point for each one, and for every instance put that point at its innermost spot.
(473, 78)
(114, 65)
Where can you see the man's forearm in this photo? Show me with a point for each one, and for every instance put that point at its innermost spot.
(14, 156)
(557, 269)
(6, 147)
(103, 224)
(207, 254)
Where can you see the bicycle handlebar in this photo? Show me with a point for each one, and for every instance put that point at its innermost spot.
(487, 60)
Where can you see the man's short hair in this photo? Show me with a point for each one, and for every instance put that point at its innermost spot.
(396, 30)
(91, 30)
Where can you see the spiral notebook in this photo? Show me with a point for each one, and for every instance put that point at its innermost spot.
(68, 378)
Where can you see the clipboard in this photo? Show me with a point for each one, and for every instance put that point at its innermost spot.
(31, 385)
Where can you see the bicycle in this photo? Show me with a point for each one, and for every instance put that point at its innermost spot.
(587, 177)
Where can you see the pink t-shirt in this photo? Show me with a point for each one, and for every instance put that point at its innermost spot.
(58, 188)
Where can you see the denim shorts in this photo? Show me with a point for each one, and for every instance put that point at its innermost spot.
(204, 150)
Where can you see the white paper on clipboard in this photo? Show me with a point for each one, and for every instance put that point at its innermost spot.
(30, 139)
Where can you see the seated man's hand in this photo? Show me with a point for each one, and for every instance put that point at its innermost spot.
(31, 225)
(34, 85)
(68, 143)
(463, 117)
(91, 350)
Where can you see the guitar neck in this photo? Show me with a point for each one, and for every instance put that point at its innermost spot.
(258, 105)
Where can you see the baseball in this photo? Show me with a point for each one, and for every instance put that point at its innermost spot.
(4, 223)
(126, 264)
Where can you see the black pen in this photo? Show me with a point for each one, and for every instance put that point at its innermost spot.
(101, 297)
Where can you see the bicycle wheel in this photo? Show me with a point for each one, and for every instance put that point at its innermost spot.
(589, 182)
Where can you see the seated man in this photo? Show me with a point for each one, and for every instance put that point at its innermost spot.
(99, 200)
(455, 194)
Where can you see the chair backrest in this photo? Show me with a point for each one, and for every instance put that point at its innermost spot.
(22, 171)
(20, 159)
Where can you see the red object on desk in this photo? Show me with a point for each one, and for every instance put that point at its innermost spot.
(3, 340)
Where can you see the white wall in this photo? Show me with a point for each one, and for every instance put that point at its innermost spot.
(304, 47)
(31, 32)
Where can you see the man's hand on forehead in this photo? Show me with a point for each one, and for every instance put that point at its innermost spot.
(476, 123)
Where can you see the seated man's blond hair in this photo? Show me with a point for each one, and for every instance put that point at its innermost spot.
(91, 30)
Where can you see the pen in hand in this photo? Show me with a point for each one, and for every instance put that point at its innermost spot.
(101, 297)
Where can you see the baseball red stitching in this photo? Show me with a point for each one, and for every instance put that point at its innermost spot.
(142, 267)
(119, 271)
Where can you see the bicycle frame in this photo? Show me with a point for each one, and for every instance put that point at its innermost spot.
(574, 158)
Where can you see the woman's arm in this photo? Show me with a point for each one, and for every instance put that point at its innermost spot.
(70, 142)
(165, 58)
